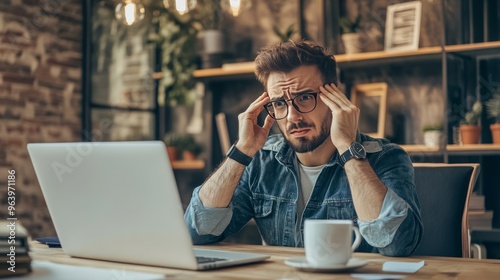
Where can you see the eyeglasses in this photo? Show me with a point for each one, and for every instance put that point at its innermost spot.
(304, 103)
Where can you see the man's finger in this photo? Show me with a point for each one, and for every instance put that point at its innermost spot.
(338, 94)
(268, 123)
(258, 104)
(326, 94)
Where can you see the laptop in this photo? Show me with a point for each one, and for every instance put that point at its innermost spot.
(118, 201)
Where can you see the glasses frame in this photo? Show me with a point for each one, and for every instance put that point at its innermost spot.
(314, 94)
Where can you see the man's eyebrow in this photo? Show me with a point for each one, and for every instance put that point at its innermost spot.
(293, 94)
(278, 98)
(302, 92)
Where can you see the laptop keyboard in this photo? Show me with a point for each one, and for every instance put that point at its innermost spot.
(207, 260)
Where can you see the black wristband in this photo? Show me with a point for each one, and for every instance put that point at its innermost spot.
(238, 156)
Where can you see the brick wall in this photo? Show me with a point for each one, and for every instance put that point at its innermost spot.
(40, 94)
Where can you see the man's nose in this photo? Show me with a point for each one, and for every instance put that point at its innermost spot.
(293, 113)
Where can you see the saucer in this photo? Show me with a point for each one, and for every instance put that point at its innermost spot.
(301, 263)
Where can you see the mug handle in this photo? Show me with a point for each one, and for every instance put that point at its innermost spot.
(357, 240)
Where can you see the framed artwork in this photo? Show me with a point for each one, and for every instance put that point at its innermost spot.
(371, 99)
(402, 28)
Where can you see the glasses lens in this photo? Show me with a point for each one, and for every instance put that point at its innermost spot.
(280, 109)
(305, 103)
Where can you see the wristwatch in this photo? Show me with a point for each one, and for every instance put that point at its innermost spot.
(356, 151)
(238, 156)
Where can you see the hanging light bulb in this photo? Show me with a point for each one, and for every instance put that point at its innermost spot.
(129, 11)
(235, 7)
(181, 6)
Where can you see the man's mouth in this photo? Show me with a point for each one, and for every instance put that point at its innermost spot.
(299, 132)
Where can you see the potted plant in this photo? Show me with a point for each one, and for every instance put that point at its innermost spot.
(285, 35)
(209, 16)
(470, 130)
(189, 147)
(433, 134)
(172, 141)
(349, 35)
(493, 109)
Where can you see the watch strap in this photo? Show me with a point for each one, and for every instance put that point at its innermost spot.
(238, 156)
(350, 153)
(344, 157)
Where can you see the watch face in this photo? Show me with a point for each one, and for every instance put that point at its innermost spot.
(358, 150)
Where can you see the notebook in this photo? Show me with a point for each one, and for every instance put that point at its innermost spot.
(118, 201)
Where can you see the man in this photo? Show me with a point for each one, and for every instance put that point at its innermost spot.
(318, 168)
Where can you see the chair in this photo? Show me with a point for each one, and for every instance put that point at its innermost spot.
(444, 191)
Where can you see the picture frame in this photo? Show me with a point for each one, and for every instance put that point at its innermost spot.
(371, 99)
(402, 28)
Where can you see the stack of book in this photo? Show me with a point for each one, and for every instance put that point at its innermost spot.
(14, 258)
(479, 218)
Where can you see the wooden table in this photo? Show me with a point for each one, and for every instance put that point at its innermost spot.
(274, 268)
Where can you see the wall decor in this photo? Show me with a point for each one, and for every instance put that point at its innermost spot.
(402, 29)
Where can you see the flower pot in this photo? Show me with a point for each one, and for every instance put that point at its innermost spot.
(213, 41)
(470, 134)
(495, 132)
(351, 43)
(213, 49)
(188, 155)
(173, 153)
(432, 138)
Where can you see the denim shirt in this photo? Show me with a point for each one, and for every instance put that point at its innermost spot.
(268, 193)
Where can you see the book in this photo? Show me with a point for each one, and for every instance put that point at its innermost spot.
(14, 258)
(16, 272)
(476, 202)
(480, 219)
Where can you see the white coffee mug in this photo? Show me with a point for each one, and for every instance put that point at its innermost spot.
(329, 242)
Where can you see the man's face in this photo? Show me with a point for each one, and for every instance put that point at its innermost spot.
(303, 131)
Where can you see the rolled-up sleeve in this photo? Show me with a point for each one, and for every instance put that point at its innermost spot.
(206, 224)
(209, 220)
(380, 232)
(210, 225)
(398, 229)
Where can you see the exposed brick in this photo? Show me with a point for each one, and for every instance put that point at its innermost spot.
(6, 8)
(16, 78)
(15, 143)
(31, 95)
(15, 128)
(11, 102)
(3, 154)
(4, 89)
(14, 68)
(69, 62)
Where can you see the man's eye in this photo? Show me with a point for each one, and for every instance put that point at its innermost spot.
(279, 103)
(305, 97)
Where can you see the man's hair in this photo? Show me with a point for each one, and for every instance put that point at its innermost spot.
(285, 57)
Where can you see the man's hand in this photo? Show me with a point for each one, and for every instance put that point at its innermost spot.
(251, 136)
(345, 116)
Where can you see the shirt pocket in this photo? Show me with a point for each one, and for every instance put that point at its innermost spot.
(263, 208)
(266, 221)
(342, 210)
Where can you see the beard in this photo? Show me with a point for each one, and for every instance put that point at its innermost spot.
(305, 145)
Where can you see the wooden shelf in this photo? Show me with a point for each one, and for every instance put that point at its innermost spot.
(476, 50)
(188, 164)
(363, 59)
(476, 149)
(384, 57)
(414, 149)
(343, 60)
